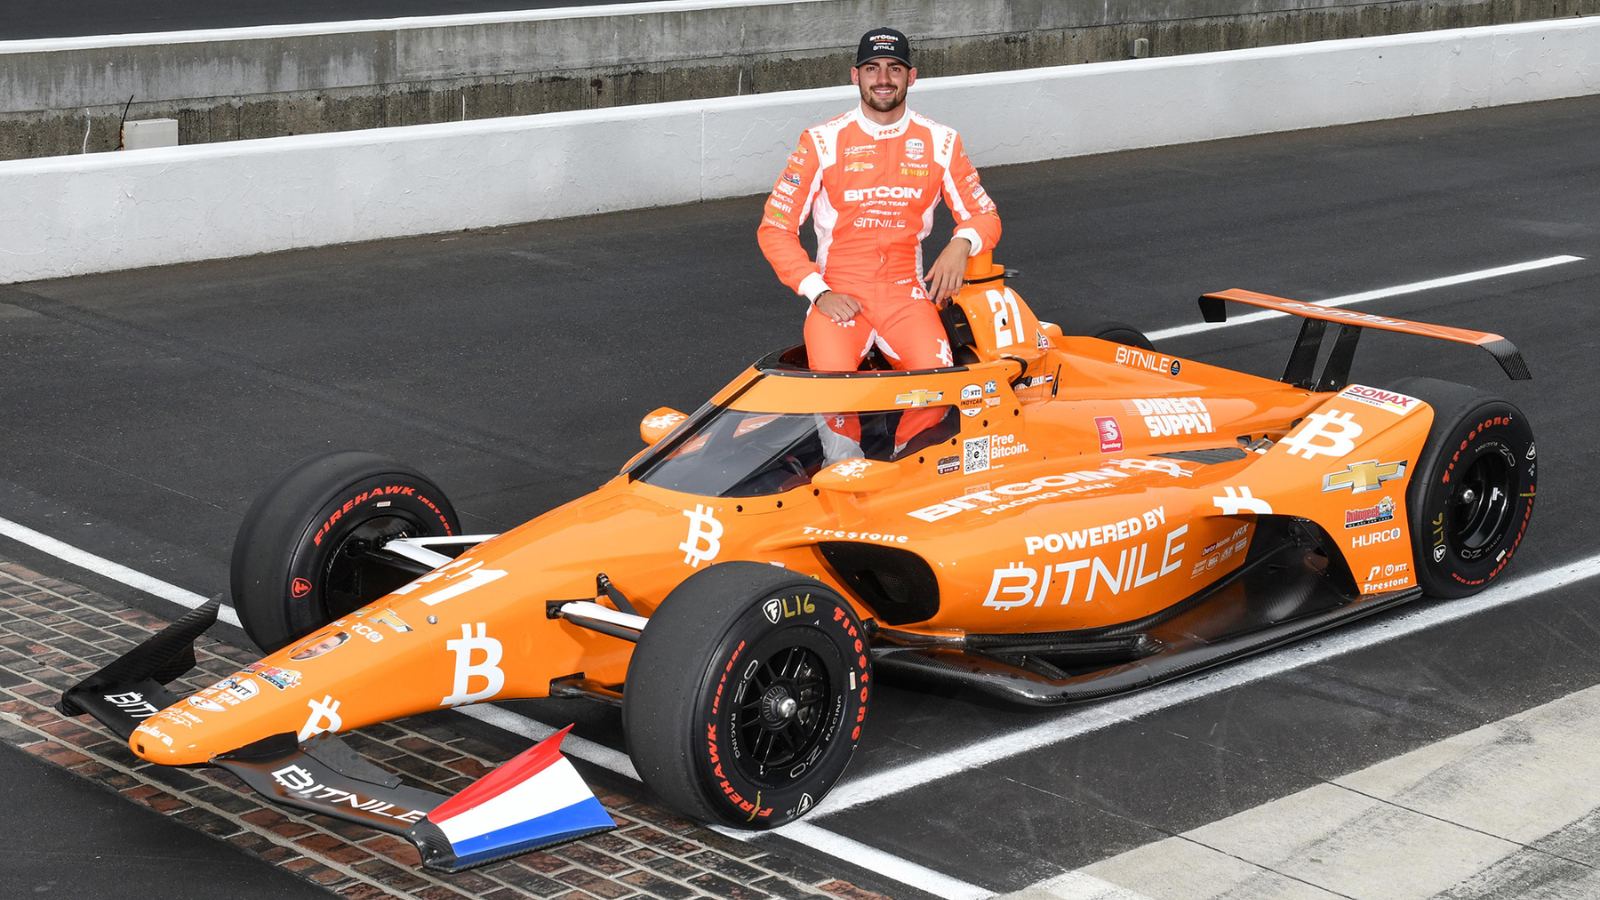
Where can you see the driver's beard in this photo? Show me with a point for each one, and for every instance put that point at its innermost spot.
(890, 105)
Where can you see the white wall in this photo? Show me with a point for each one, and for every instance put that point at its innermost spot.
(72, 215)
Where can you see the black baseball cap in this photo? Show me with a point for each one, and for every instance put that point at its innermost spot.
(884, 42)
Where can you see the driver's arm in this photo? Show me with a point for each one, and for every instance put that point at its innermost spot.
(787, 207)
(977, 218)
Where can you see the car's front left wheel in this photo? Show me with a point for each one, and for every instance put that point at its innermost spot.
(746, 695)
(299, 559)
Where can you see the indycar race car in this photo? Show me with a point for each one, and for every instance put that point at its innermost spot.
(1080, 516)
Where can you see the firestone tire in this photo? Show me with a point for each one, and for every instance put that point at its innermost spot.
(293, 570)
(1472, 494)
(1105, 330)
(746, 695)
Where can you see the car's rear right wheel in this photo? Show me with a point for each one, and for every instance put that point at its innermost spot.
(1471, 496)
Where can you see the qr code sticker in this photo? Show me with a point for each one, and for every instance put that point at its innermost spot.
(975, 455)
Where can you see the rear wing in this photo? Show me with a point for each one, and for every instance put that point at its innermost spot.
(1336, 371)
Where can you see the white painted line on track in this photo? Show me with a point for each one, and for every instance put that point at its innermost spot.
(941, 765)
(598, 754)
(872, 859)
(572, 745)
(820, 839)
(83, 559)
(1111, 712)
(1365, 296)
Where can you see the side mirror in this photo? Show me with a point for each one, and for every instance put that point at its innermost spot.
(659, 423)
(857, 476)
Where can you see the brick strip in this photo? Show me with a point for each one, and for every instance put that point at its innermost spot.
(53, 633)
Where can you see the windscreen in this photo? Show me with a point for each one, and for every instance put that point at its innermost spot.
(738, 453)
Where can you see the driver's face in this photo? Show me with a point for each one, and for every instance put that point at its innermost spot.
(883, 83)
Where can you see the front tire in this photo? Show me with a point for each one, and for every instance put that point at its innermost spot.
(746, 695)
(1472, 495)
(296, 559)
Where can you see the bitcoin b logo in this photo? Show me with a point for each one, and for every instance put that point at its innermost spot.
(1324, 434)
(489, 670)
(324, 717)
(705, 536)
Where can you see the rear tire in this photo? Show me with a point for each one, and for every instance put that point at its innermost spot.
(1105, 330)
(1472, 494)
(293, 570)
(746, 695)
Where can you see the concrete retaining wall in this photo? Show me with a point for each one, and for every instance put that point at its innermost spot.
(71, 215)
(67, 96)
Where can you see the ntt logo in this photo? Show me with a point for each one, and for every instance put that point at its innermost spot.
(856, 195)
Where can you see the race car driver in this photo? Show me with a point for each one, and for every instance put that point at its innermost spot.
(870, 180)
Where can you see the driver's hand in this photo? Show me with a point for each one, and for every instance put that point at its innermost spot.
(947, 274)
(839, 307)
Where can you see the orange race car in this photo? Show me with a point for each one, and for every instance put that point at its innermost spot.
(1089, 516)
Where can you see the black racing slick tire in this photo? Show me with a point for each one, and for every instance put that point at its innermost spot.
(1105, 330)
(746, 695)
(297, 561)
(1472, 494)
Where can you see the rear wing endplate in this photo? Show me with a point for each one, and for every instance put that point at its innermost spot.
(1336, 371)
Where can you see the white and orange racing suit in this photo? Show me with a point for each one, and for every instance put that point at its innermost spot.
(870, 191)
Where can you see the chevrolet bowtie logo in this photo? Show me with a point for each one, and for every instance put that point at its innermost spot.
(1363, 476)
(918, 398)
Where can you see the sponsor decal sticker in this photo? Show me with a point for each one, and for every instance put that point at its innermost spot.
(1007, 496)
(705, 536)
(857, 166)
(882, 192)
(1399, 404)
(134, 704)
(282, 679)
(324, 718)
(1110, 434)
(918, 397)
(975, 455)
(1371, 515)
(1332, 433)
(1098, 535)
(914, 148)
(1375, 537)
(1238, 502)
(948, 464)
(990, 387)
(793, 178)
(1171, 416)
(487, 668)
(855, 535)
(914, 171)
(316, 645)
(861, 150)
(1004, 445)
(296, 780)
(1361, 477)
(1020, 585)
(1134, 358)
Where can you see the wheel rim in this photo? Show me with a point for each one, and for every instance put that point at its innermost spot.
(779, 714)
(350, 579)
(1480, 505)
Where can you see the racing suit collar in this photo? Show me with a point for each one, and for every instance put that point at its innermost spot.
(884, 132)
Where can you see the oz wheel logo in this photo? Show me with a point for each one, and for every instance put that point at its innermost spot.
(773, 610)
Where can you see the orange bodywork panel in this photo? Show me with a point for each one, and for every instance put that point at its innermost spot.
(1077, 484)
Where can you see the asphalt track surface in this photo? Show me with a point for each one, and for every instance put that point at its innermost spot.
(145, 409)
(26, 19)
